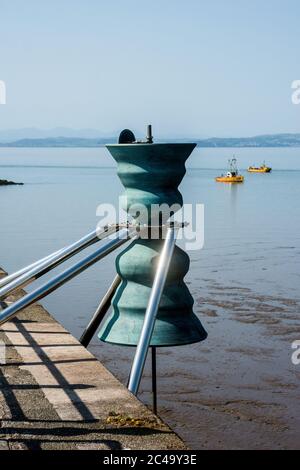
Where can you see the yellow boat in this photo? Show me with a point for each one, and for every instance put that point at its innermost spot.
(232, 175)
(229, 178)
(262, 169)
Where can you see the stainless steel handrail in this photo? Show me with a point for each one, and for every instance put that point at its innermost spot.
(55, 260)
(151, 312)
(53, 284)
(10, 277)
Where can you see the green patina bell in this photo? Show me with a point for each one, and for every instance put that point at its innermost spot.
(151, 174)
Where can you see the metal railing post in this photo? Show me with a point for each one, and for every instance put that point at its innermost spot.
(100, 313)
(151, 312)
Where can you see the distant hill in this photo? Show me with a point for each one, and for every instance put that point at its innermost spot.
(13, 135)
(58, 142)
(277, 140)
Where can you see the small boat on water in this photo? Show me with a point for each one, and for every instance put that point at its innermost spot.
(262, 169)
(232, 175)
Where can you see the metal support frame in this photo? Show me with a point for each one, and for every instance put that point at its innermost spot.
(41, 267)
(151, 312)
(102, 308)
(51, 262)
(100, 313)
(154, 381)
(65, 276)
(10, 277)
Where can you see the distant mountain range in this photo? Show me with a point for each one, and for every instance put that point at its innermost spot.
(13, 135)
(276, 140)
(59, 142)
(89, 138)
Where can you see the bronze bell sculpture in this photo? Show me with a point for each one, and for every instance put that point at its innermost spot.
(151, 174)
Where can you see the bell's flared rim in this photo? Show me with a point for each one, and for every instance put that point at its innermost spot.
(159, 144)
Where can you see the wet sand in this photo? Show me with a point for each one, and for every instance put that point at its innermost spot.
(237, 390)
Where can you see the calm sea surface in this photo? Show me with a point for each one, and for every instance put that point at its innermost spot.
(252, 245)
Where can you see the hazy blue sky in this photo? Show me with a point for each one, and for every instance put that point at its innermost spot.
(193, 67)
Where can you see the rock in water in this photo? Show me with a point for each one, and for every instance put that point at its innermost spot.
(9, 183)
